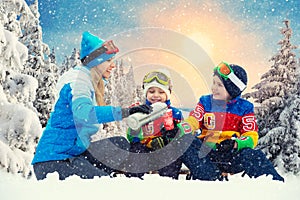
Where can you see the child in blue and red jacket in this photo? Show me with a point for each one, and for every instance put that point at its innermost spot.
(228, 131)
(151, 138)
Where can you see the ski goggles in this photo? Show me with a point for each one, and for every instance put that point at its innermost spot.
(107, 47)
(159, 76)
(226, 72)
(110, 47)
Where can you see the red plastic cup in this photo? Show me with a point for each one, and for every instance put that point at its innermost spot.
(168, 120)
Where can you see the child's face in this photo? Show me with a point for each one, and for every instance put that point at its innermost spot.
(219, 91)
(155, 94)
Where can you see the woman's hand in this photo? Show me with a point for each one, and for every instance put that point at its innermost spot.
(146, 109)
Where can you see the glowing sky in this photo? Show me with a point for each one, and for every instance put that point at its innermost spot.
(244, 32)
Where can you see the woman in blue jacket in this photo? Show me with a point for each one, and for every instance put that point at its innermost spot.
(65, 146)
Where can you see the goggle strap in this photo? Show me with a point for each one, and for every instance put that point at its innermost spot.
(93, 55)
(236, 81)
(108, 47)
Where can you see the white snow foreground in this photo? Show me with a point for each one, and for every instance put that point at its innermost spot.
(152, 187)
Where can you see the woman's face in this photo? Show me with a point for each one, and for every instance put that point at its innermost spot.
(106, 67)
(219, 91)
(155, 94)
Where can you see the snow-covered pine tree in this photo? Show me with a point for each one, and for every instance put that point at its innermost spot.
(289, 159)
(11, 24)
(19, 125)
(119, 91)
(52, 56)
(16, 85)
(38, 66)
(64, 66)
(75, 58)
(70, 62)
(139, 94)
(272, 96)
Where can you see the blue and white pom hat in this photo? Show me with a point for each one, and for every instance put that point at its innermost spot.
(158, 78)
(237, 85)
(95, 50)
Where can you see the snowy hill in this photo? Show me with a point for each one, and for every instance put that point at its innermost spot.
(152, 187)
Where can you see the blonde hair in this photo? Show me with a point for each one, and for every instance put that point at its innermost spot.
(98, 84)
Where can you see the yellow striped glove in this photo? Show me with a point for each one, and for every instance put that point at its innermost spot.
(158, 143)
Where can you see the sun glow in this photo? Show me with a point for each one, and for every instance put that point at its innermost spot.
(217, 33)
(203, 41)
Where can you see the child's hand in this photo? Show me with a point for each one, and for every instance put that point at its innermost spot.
(170, 134)
(226, 145)
(158, 143)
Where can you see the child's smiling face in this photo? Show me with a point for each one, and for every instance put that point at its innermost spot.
(155, 94)
(219, 91)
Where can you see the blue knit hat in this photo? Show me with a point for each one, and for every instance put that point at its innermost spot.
(89, 53)
(231, 88)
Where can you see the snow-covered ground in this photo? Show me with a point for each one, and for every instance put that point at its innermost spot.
(153, 187)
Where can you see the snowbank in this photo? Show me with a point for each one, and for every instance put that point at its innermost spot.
(153, 187)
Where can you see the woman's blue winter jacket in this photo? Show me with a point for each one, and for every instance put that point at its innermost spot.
(74, 118)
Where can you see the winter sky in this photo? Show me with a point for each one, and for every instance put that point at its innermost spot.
(244, 32)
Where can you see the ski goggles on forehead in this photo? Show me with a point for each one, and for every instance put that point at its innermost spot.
(107, 47)
(110, 47)
(226, 72)
(160, 78)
